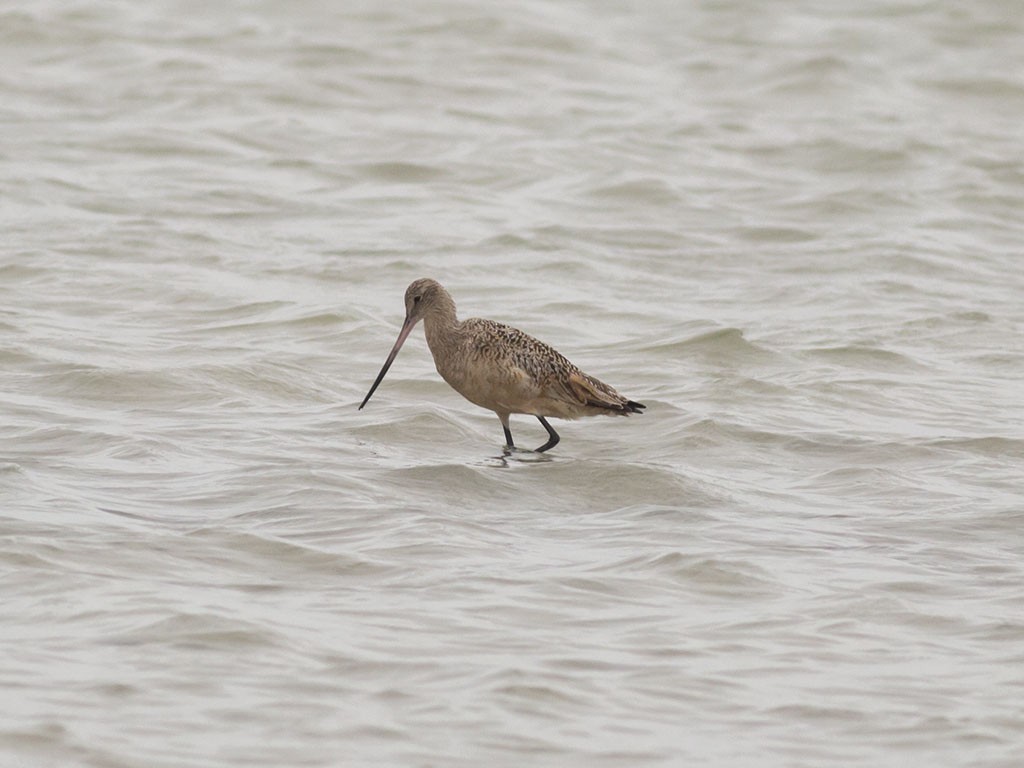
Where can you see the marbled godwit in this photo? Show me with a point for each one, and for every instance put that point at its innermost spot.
(501, 368)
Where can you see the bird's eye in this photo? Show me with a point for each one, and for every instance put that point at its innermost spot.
(416, 299)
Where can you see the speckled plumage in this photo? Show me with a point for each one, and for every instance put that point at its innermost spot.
(500, 368)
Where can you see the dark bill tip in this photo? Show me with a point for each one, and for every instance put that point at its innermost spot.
(402, 336)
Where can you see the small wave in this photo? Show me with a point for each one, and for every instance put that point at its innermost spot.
(123, 386)
(240, 311)
(14, 357)
(863, 356)
(932, 323)
(720, 344)
(775, 234)
(403, 173)
(1008, 362)
(237, 550)
(855, 481)
(206, 630)
(986, 446)
(506, 241)
(707, 574)
(274, 381)
(1006, 90)
(653, 191)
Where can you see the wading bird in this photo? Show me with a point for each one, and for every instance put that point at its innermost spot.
(501, 368)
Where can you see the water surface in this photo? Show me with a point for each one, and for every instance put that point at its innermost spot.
(793, 232)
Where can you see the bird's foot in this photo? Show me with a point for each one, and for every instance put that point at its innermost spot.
(511, 453)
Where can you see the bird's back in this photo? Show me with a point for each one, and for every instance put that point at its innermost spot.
(500, 367)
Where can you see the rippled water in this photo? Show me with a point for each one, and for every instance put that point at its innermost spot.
(793, 230)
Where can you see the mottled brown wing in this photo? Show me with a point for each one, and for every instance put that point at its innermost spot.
(593, 392)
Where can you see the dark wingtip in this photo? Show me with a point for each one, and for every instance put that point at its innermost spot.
(634, 407)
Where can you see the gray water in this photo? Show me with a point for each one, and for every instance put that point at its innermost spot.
(793, 229)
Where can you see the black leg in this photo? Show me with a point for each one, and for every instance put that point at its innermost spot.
(508, 436)
(554, 438)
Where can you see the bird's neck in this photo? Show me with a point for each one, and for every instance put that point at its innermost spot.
(441, 324)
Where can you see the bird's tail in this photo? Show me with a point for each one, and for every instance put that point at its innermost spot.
(589, 391)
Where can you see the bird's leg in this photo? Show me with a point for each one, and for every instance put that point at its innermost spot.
(554, 438)
(508, 432)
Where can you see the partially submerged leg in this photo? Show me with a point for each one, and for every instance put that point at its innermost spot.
(552, 435)
(508, 432)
